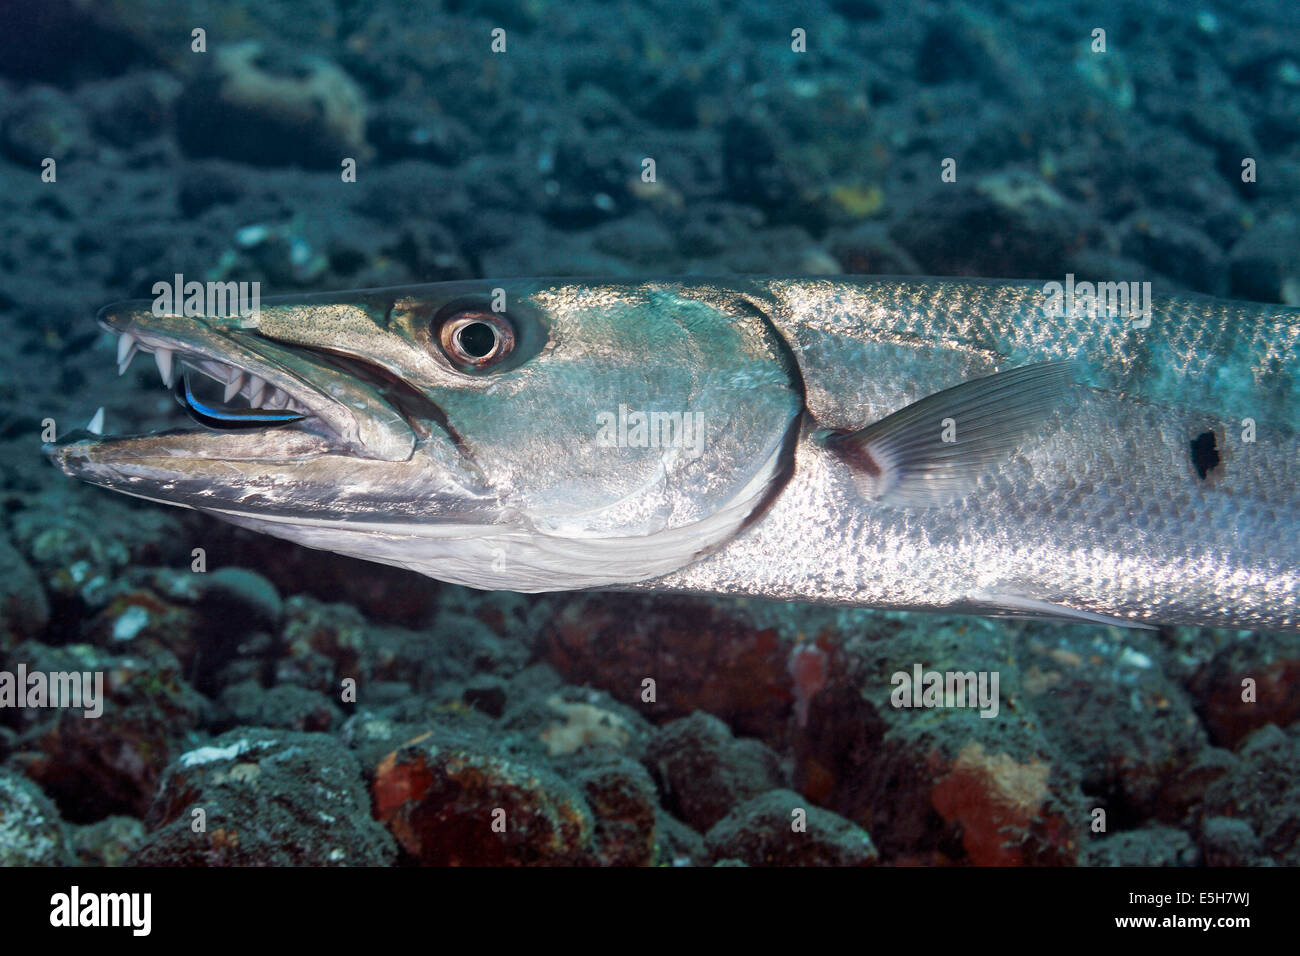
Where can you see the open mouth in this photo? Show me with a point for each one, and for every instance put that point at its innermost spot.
(219, 394)
(229, 378)
(246, 400)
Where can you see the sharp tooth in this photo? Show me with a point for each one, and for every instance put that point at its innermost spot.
(126, 349)
(96, 425)
(278, 399)
(164, 359)
(235, 383)
(217, 371)
(255, 388)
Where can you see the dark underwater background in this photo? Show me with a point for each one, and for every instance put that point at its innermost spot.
(223, 688)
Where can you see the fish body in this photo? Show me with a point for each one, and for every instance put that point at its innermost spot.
(916, 444)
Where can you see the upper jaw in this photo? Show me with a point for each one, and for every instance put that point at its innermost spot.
(347, 412)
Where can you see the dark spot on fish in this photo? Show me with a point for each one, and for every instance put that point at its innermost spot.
(1205, 454)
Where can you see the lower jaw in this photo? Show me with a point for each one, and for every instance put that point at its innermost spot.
(88, 457)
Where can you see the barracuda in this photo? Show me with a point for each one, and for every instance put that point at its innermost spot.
(956, 445)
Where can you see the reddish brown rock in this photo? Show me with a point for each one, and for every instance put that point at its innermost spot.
(699, 659)
(1260, 790)
(450, 802)
(143, 621)
(622, 800)
(1106, 703)
(937, 784)
(704, 772)
(94, 767)
(323, 632)
(1000, 806)
(1232, 708)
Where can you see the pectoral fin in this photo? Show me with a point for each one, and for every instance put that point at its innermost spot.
(1010, 604)
(934, 451)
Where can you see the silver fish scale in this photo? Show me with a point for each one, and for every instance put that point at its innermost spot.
(1197, 352)
(1101, 513)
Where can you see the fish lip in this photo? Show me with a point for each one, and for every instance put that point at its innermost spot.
(216, 345)
(82, 454)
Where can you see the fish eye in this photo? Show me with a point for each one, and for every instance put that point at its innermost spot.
(474, 340)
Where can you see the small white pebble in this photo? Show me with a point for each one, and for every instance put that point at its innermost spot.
(1135, 659)
(251, 235)
(131, 623)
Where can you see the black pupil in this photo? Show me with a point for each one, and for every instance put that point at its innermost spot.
(477, 339)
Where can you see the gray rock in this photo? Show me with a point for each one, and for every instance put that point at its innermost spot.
(24, 609)
(31, 833)
(639, 239)
(286, 706)
(1176, 249)
(970, 45)
(81, 542)
(239, 596)
(1227, 841)
(868, 250)
(269, 105)
(1150, 846)
(676, 844)
(42, 122)
(1010, 224)
(1265, 263)
(269, 798)
(934, 783)
(109, 842)
(762, 832)
(131, 109)
(400, 130)
(759, 173)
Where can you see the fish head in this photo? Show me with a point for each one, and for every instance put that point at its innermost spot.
(522, 434)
